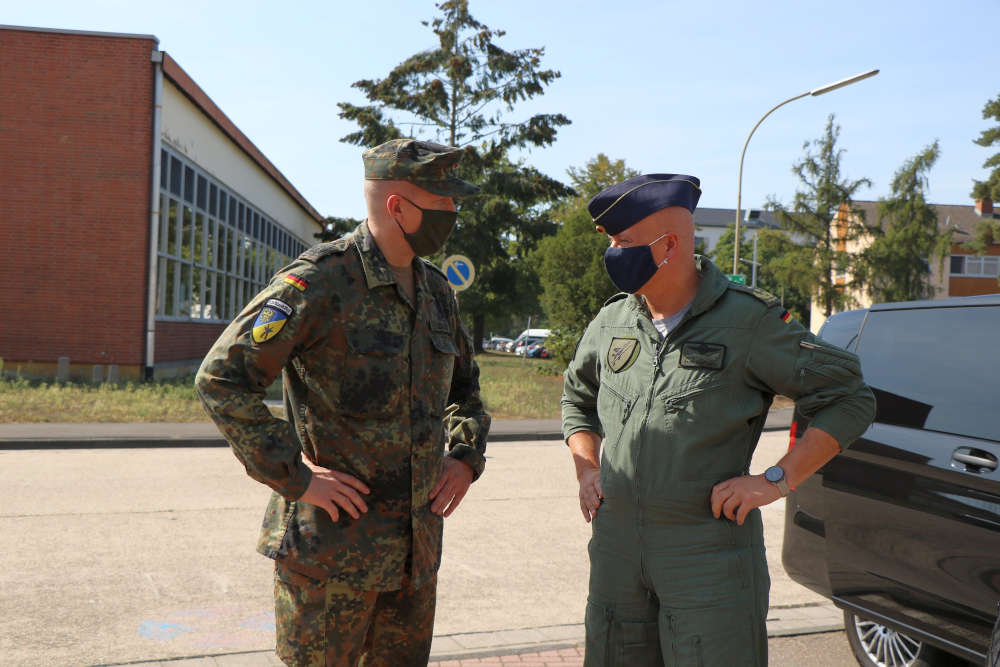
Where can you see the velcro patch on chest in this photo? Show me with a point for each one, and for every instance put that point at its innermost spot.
(703, 355)
(622, 353)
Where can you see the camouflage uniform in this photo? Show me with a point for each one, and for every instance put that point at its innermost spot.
(375, 386)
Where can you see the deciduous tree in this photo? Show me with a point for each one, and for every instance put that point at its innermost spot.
(785, 269)
(570, 264)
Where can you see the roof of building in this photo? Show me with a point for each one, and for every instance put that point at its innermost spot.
(93, 33)
(723, 217)
(962, 217)
(200, 98)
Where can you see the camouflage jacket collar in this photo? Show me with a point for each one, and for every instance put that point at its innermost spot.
(376, 267)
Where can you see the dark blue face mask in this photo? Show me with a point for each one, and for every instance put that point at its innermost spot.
(631, 268)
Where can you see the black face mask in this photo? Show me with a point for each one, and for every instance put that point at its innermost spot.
(631, 268)
(435, 228)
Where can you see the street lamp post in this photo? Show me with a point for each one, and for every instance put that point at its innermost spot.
(739, 186)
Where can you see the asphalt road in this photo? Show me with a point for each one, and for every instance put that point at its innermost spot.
(121, 555)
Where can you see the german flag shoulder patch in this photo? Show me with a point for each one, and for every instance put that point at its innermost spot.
(297, 282)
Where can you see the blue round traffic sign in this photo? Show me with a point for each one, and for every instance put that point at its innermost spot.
(459, 271)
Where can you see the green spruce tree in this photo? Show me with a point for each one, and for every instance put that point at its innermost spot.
(813, 212)
(463, 91)
(897, 264)
(987, 231)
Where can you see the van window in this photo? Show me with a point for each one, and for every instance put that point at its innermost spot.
(935, 368)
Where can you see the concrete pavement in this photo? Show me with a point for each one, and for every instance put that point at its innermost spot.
(132, 554)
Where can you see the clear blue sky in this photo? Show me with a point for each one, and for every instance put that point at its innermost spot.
(668, 86)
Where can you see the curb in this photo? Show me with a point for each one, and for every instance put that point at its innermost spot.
(154, 442)
(787, 621)
(503, 431)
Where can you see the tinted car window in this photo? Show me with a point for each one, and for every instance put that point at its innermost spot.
(935, 368)
(842, 329)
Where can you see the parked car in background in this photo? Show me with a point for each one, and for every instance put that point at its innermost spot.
(496, 343)
(537, 351)
(528, 337)
(902, 529)
(525, 344)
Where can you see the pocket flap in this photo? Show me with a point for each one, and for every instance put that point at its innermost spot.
(375, 341)
(443, 342)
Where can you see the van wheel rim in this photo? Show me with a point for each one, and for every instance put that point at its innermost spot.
(886, 647)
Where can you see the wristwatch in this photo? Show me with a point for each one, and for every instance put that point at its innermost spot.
(776, 475)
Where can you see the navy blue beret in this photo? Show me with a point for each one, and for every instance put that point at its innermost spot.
(616, 208)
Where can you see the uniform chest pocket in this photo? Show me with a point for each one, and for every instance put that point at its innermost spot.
(688, 400)
(439, 371)
(375, 372)
(614, 405)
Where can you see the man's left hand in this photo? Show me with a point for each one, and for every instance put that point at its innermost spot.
(451, 487)
(734, 498)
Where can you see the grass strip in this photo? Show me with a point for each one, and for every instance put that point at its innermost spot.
(512, 388)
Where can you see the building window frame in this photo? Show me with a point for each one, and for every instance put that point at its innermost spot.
(215, 249)
(975, 266)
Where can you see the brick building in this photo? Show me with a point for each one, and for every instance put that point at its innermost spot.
(136, 218)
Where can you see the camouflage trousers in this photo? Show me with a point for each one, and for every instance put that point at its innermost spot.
(333, 625)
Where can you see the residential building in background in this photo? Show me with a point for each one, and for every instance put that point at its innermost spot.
(961, 274)
(137, 219)
(711, 223)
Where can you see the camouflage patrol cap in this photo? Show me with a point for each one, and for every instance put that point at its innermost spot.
(423, 163)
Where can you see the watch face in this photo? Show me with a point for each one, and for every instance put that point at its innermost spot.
(774, 474)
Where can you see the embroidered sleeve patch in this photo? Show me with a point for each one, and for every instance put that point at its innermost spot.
(622, 353)
(703, 355)
(270, 320)
(298, 283)
(786, 316)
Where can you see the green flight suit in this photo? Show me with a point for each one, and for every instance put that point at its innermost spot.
(669, 583)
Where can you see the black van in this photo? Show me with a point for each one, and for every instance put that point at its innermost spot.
(902, 529)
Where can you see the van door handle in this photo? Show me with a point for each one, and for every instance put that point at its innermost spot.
(979, 459)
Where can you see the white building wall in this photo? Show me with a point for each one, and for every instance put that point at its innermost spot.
(188, 130)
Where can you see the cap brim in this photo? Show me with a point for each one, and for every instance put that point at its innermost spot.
(452, 187)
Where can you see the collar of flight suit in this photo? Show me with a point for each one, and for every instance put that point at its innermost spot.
(377, 270)
(713, 285)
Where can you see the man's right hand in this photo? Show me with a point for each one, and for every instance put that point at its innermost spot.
(585, 447)
(591, 493)
(329, 488)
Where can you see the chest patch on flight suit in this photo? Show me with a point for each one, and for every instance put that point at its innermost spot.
(270, 320)
(622, 353)
(703, 355)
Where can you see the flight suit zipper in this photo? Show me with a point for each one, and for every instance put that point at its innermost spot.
(627, 402)
(642, 427)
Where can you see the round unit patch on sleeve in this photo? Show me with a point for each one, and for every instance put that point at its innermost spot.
(270, 320)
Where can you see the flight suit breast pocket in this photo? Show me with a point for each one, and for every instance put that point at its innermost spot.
(614, 405)
(375, 372)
